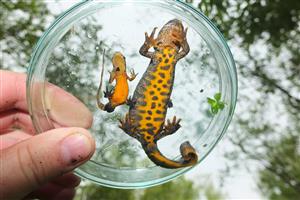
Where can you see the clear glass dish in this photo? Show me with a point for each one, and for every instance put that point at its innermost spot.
(69, 54)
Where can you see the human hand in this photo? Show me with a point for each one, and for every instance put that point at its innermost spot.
(39, 166)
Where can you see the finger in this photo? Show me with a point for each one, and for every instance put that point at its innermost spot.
(12, 137)
(63, 107)
(68, 180)
(16, 119)
(38, 160)
(12, 91)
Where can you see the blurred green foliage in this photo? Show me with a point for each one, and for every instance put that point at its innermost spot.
(22, 23)
(178, 189)
(280, 178)
(265, 129)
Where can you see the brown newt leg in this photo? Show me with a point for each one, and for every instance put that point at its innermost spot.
(108, 93)
(128, 127)
(130, 102)
(169, 128)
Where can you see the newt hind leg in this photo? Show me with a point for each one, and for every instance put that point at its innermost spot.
(108, 93)
(127, 126)
(169, 128)
(130, 102)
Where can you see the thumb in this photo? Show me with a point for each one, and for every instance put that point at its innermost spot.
(33, 162)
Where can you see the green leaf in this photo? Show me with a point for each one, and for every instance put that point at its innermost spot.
(211, 101)
(221, 105)
(218, 96)
(214, 110)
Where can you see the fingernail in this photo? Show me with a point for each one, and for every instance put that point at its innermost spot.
(66, 109)
(75, 149)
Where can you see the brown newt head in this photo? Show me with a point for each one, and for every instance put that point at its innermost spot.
(119, 63)
(172, 35)
(119, 66)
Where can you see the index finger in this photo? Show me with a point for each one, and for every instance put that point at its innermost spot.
(65, 109)
(12, 91)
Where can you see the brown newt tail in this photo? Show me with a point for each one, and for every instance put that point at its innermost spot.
(146, 120)
(118, 95)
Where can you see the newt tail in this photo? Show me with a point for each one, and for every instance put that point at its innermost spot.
(151, 99)
(119, 94)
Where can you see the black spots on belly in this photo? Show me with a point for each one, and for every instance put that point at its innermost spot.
(148, 118)
(148, 137)
(158, 111)
(164, 55)
(155, 86)
(154, 98)
(166, 67)
(160, 81)
(158, 119)
(153, 105)
(149, 112)
(169, 81)
(152, 92)
(159, 59)
(149, 124)
(164, 85)
(170, 55)
(159, 105)
(164, 93)
(162, 75)
(167, 61)
(158, 89)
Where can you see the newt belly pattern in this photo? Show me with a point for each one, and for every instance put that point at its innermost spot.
(145, 120)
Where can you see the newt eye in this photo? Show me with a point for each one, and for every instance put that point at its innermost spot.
(159, 43)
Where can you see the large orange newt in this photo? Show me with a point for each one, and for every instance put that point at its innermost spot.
(151, 99)
(119, 94)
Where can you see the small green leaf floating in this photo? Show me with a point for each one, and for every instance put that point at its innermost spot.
(216, 104)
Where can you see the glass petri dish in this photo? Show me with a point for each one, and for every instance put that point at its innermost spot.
(69, 55)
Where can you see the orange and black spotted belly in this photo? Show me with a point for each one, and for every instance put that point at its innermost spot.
(153, 94)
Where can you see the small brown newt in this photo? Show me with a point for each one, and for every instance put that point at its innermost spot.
(119, 94)
(145, 120)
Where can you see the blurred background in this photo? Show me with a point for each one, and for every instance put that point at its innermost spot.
(259, 157)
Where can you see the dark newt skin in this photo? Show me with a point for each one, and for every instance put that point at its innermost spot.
(120, 92)
(146, 118)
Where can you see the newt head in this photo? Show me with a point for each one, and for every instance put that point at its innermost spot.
(172, 34)
(119, 66)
